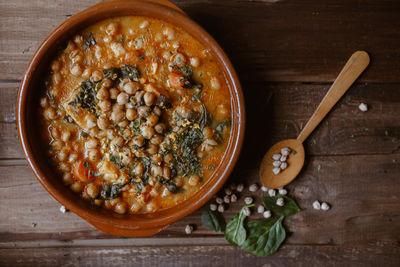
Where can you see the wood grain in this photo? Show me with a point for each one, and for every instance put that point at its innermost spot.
(286, 54)
(298, 40)
(379, 254)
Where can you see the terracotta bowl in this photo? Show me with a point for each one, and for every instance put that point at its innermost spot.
(35, 151)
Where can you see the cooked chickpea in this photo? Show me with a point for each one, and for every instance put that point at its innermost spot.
(131, 114)
(123, 124)
(166, 172)
(43, 102)
(91, 121)
(222, 111)
(93, 155)
(91, 143)
(194, 62)
(194, 179)
(120, 208)
(57, 144)
(112, 29)
(110, 133)
(208, 132)
(98, 202)
(122, 98)
(179, 60)
(73, 158)
(102, 122)
(157, 111)
(149, 98)
(78, 39)
(56, 78)
(152, 120)
(66, 136)
(117, 115)
(169, 33)
(160, 127)
(117, 142)
(103, 94)
(67, 178)
(64, 167)
(50, 113)
(147, 131)
(168, 158)
(97, 75)
(152, 149)
(131, 88)
(105, 105)
(92, 190)
(138, 97)
(76, 70)
(215, 84)
(144, 24)
(114, 93)
(55, 66)
(76, 187)
(156, 139)
(157, 159)
(208, 144)
(135, 207)
(106, 83)
(138, 140)
(86, 73)
(156, 170)
(143, 111)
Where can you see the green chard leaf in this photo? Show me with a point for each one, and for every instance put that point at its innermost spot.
(265, 237)
(213, 221)
(288, 209)
(235, 232)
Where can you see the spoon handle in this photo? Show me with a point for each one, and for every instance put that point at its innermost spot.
(350, 72)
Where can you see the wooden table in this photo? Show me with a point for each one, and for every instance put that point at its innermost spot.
(286, 53)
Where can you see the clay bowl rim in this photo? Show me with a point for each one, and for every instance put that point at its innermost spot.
(115, 9)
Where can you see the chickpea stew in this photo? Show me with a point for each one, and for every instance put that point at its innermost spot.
(136, 114)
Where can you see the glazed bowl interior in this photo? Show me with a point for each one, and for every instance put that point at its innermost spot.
(32, 87)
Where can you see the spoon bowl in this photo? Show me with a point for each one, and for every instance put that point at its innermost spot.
(357, 63)
(295, 162)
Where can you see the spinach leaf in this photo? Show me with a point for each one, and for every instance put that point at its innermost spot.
(265, 237)
(130, 73)
(205, 117)
(213, 221)
(235, 232)
(111, 191)
(288, 209)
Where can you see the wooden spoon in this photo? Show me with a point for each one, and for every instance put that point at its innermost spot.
(353, 68)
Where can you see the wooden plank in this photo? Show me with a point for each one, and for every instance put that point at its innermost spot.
(379, 254)
(300, 40)
(363, 192)
(279, 111)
